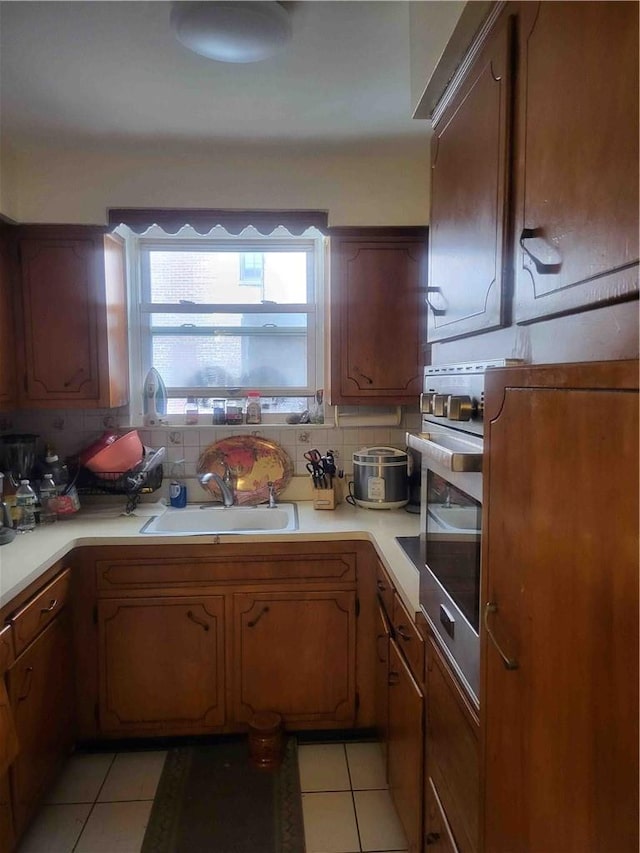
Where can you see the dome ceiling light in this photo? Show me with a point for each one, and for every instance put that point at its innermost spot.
(232, 30)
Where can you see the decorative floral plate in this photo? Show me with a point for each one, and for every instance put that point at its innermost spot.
(253, 462)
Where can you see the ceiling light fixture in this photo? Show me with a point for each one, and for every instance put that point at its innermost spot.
(232, 30)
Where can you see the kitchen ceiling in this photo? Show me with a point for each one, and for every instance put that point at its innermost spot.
(114, 71)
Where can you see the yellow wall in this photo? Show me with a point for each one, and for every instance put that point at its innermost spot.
(373, 184)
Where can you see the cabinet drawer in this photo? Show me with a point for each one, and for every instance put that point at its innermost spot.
(453, 761)
(39, 611)
(386, 590)
(408, 639)
(144, 573)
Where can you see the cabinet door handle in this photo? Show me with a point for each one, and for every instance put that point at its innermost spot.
(255, 621)
(545, 256)
(381, 587)
(26, 687)
(492, 607)
(191, 615)
(381, 658)
(437, 312)
(402, 633)
(432, 837)
(394, 678)
(52, 606)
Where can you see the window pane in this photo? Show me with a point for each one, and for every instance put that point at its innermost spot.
(230, 361)
(211, 321)
(208, 276)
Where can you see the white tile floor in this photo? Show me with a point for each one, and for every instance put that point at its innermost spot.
(101, 802)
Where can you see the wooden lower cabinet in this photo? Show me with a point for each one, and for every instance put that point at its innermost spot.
(383, 637)
(41, 693)
(406, 747)
(452, 756)
(294, 653)
(438, 836)
(161, 665)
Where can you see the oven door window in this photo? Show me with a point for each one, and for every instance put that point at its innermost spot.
(454, 523)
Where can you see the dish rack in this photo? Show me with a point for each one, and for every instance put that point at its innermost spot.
(144, 479)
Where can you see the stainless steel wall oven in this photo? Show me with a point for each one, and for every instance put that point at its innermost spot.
(449, 547)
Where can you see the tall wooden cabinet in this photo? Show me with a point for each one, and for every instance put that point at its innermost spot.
(577, 150)
(73, 317)
(375, 315)
(559, 693)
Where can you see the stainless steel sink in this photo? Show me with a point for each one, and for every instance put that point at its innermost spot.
(455, 517)
(200, 520)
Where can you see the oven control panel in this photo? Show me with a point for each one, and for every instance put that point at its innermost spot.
(453, 394)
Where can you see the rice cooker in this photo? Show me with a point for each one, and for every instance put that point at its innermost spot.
(380, 479)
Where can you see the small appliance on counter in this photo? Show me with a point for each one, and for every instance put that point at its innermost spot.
(7, 533)
(18, 456)
(154, 399)
(380, 479)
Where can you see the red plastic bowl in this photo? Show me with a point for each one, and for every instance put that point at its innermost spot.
(117, 458)
(95, 447)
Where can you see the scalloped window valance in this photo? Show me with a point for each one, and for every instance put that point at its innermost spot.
(203, 220)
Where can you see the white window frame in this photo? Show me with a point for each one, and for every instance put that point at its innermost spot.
(141, 310)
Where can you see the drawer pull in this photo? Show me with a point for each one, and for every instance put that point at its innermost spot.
(394, 678)
(52, 606)
(191, 615)
(381, 587)
(432, 837)
(26, 689)
(509, 663)
(255, 621)
(401, 631)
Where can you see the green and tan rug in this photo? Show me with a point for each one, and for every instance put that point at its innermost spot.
(211, 799)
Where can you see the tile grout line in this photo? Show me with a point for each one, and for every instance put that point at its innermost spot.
(353, 799)
(93, 805)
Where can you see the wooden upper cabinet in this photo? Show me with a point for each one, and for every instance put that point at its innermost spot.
(74, 321)
(375, 319)
(470, 159)
(7, 325)
(560, 566)
(577, 182)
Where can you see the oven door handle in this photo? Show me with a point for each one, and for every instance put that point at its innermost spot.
(451, 460)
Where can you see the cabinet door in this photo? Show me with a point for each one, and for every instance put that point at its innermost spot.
(453, 763)
(161, 665)
(6, 819)
(7, 328)
(470, 157)
(60, 319)
(295, 653)
(577, 187)
(375, 320)
(383, 637)
(42, 696)
(405, 747)
(560, 559)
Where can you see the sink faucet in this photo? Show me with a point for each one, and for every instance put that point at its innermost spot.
(225, 484)
(272, 494)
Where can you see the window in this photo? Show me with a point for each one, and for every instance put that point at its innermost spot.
(210, 335)
(251, 268)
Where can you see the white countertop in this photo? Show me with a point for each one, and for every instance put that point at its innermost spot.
(30, 554)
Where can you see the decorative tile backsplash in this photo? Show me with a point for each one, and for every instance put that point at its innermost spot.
(70, 430)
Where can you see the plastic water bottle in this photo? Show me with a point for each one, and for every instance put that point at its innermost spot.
(48, 500)
(25, 505)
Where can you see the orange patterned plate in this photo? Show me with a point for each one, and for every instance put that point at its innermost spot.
(253, 462)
